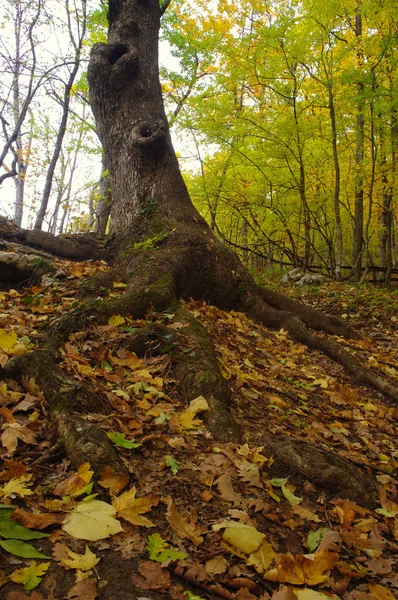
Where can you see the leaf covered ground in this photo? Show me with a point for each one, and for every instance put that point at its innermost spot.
(198, 519)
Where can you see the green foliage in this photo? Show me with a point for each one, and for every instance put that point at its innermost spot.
(257, 87)
(119, 439)
(158, 549)
(172, 464)
(14, 533)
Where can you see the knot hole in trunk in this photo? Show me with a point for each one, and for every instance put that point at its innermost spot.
(150, 135)
(116, 52)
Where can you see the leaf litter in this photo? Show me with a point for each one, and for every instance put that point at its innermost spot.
(203, 519)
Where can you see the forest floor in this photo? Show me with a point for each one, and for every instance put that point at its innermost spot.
(203, 519)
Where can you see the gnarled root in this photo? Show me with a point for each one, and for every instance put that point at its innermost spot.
(325, 468)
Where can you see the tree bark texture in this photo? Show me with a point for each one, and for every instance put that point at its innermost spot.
(126, 99)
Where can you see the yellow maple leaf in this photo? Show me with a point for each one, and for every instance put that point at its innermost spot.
(187, 420)
(92, 520)
(252, 454)
(83, 562)
(7, 339)
(116, 320)
(262, 557)
(30, 576)
(299, 569)
(241, 536)
(131, 508)
(16, 486)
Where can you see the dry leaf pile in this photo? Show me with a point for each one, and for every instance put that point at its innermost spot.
(199, 519)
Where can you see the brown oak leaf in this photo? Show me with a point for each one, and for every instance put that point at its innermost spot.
(183, 526)
(84, 590)
(225, 487)
(152, 576)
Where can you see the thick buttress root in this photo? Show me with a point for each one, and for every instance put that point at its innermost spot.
(325, 468)
(198, 372)
(160, 278)
(259, 311)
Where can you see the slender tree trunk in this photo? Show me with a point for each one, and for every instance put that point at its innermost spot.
(359, 158)
(302, 182)
(60, 194)
(64, 120)
(336, 192)
(102, 208)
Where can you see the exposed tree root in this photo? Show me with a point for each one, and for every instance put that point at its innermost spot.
(82, 441)
(324, 468)
(299, 332)
(312, 318)
(85, 442)
(158, 278)
(198, 372)
(75, 247)
(62, 392)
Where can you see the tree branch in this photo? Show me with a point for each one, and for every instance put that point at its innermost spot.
(164, 7)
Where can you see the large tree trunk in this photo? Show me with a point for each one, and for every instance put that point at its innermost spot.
(126, 99)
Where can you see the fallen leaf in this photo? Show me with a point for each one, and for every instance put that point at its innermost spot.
(116, 320)
(301, 569)
(19, 548)
(284, 593)
(15, 432)
(112, 481)
(198, 405)
(241, 536)
(305, 513)
(83, 562)
(152, 576)
(262, 558)
(183, 526)
(37, 520)
(19, 595)
(75, 482)
(159, 551)
(92, 520)
(290, 497)
(225, 487)
(8, 339)
(16, 487)
(187, 420)
(60, 555)
(249, 473)
(308, 594)
(30, 576)
(380, 592)
(130, 508)
(216, 565)
(84, 590)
